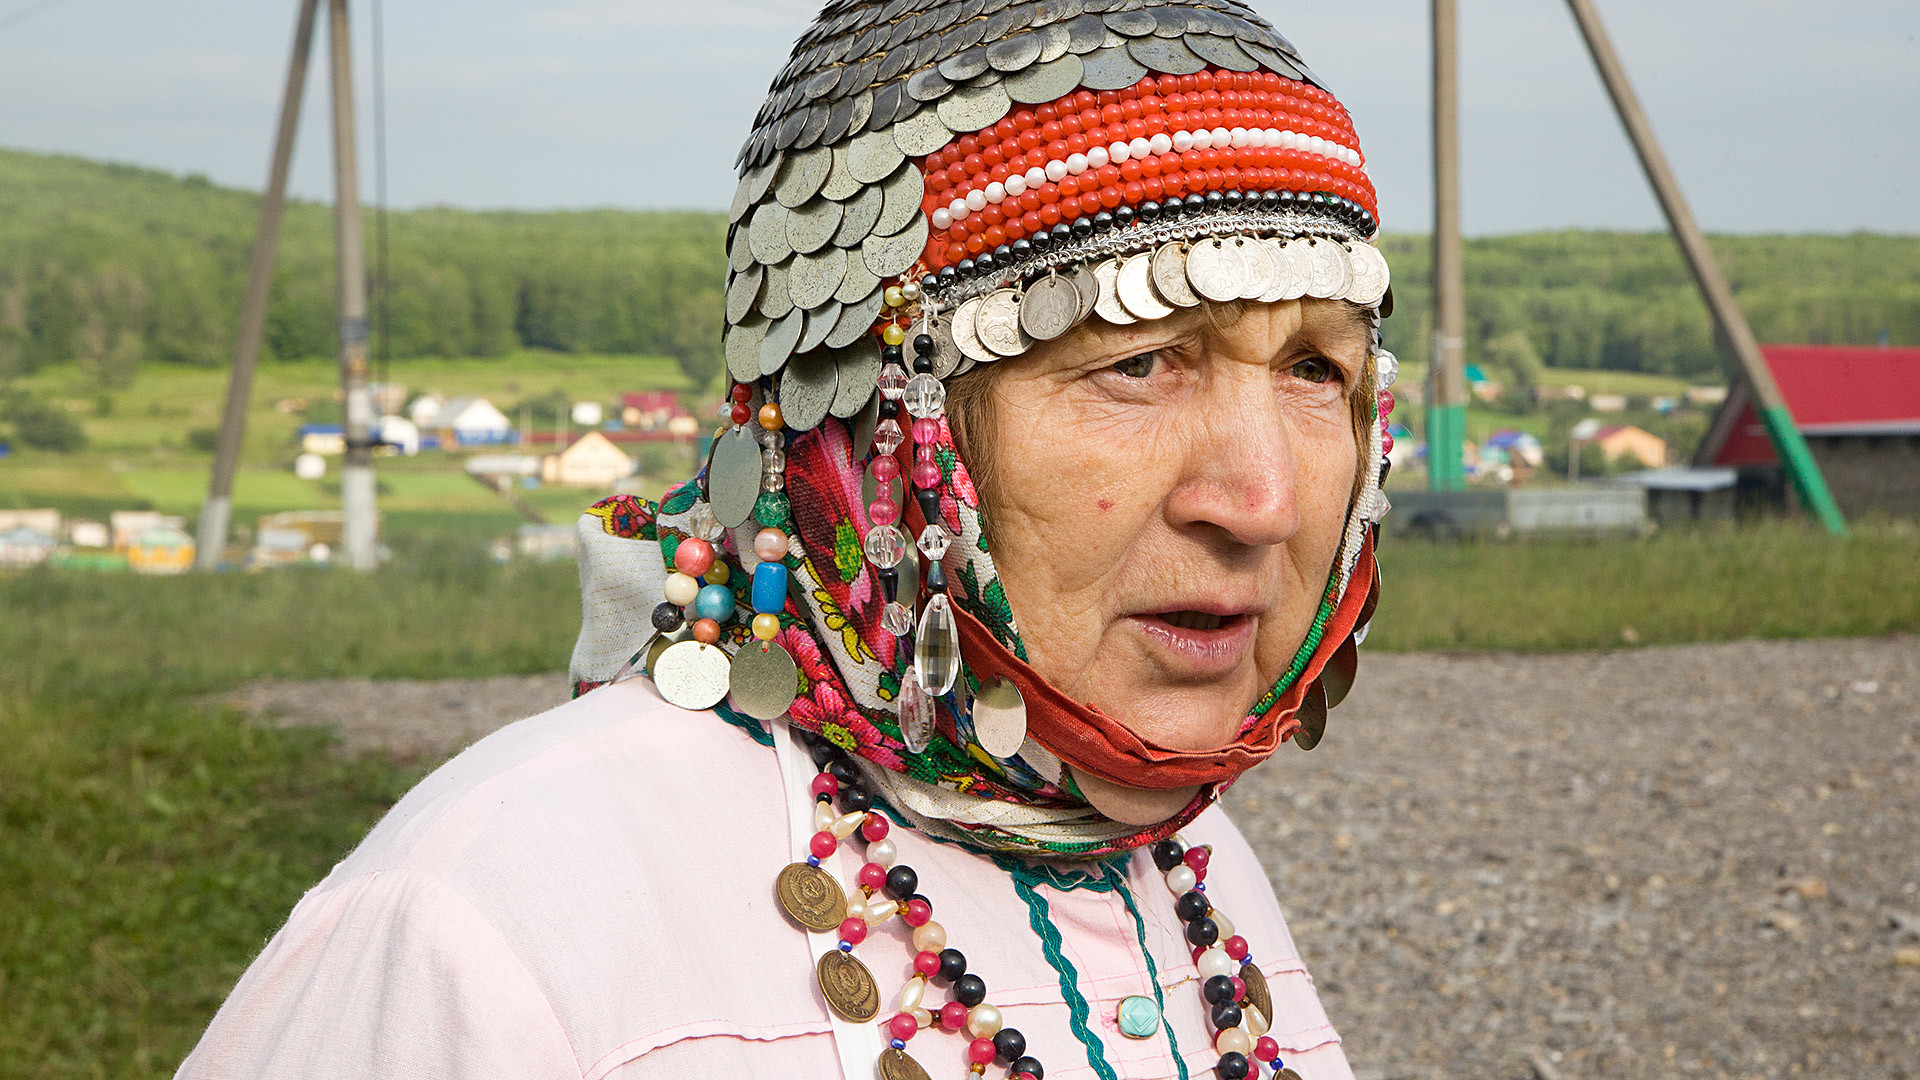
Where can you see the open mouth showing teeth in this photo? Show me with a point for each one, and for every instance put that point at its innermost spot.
(1193, 620)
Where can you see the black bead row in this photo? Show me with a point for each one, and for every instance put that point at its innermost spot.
(1194, 910)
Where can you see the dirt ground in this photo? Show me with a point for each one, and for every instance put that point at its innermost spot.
(1692, 861)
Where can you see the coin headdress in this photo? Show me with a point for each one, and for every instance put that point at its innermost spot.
(960, 180)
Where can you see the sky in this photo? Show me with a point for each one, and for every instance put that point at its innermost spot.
(1778, 115)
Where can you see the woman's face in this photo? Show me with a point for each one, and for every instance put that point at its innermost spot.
(1167, 500)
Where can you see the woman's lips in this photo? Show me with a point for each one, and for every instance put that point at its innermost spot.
(1201, 650)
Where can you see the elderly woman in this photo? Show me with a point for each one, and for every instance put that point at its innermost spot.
(1043, 510)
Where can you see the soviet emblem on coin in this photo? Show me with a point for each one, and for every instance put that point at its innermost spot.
(899, 1065)
(811, 896)
(848, 986)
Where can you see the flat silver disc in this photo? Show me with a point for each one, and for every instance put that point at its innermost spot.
(859, 374)
(998, 324)
(1088, 286)
(763, 680)
(1170, 276)
(1000, 718)
(1108, 306)
(1136, 289)
(1282, 272)
(1294, 258)
(1048, 308)
(733, 477)
(964, 335)
(1261, 270)
(692, 675)
(1370, 275)
(1327, 270)
(1215, 271)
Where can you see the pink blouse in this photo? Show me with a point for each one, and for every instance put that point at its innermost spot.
(589, 893)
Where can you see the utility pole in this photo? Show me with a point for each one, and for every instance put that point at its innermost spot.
(1727, 316)
(356, 474)
(216, 516)
(1446, 377)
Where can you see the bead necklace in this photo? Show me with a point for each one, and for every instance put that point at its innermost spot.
(1239, 1004)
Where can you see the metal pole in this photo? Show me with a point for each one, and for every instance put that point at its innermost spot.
(1727, 316)
(217, 515)
(356, 474)
(1447, 381)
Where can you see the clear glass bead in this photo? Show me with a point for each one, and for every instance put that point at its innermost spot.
(1386, 368)
(934, 541)
(769, 440)
(893, 382)
(887, 436)
(896, 619)
(925, 397)
(936, 647)
(773, 459)
(773, 480)
(916, 710)
(885, 546)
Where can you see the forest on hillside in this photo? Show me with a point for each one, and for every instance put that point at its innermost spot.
(111, 266)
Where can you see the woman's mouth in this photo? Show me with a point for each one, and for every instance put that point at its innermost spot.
(1198, 643)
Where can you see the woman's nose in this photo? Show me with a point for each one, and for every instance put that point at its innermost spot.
(1239, 475)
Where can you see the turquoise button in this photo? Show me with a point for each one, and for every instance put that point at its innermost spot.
(1139, 1017)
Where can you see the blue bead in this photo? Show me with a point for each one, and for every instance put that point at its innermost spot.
(769, 588)
(897, 1044)
(714, 602)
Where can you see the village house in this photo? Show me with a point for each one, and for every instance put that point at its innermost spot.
(24, 545)
(472, 421)
(592, 461)
(1617, 441)
(650, 410)
(163, 549)
(128, 525)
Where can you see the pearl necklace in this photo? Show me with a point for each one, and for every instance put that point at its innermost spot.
(1239, 1004)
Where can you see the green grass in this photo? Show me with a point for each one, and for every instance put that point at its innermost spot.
(150, 844)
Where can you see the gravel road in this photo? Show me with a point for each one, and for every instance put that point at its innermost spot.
(1691, 861)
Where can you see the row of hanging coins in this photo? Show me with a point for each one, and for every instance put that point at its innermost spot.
(1154, 284)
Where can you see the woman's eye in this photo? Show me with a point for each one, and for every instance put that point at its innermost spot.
(1314, 369)
(1138, 367)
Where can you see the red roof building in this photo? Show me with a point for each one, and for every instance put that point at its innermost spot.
(1858, 408)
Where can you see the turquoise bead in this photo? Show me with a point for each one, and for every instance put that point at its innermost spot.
(769, 588)
(714, 602)
(1139, 1017)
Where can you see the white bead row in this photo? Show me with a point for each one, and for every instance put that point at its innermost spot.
(1179, 142)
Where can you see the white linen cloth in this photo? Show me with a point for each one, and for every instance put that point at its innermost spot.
(589, 893)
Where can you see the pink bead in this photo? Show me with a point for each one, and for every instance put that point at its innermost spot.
(822, 844)
(770, 545)
(1197, 950)
(981, 1051)
(926, 963)
(925, 453)
(918, 912)
(926, 475)
(1239, 988)
(1386, 442)
(926, 431)
(693, 557)
(1266, 1049)
(884, 468)
(953, 1016)
(1196, 859)
(903, 1026)
(1386, 402)
(873, 875)
(826, 784)
(853, 931)
(875, 827)
(882, 512)
(1236, 947)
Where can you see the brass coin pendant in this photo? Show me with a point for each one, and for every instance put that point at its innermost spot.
(811, 896)
(1286, 1074)
(764, 680)
(899, 1065)
(1257, 993)
(848, 987)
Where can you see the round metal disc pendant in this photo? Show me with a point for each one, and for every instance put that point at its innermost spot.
(733, 477)
(1000, 718)
(848, 987)
(965, 334)
(1327, 271)
(692, 675)
(1215, 270)
(1088, 286)
(899, 1065)
(1313, 717)
(811, 896)
(1138, 1017)
(763, 680)
(1257, 993)
(1108, 306)
(998, 324)
(1295, 267)
(1048, 308)
(1286, 1074)
(1169, 274)
(1261, 268)
(1282, 272)
(1370, 275)
(1136, 289)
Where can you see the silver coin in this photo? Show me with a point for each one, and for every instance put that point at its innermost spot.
(1000, 718)
(872, 157)
(1048, 308)
(1133, 23)
(921, 134)
(692, 675)
(1327, 270)
(1046, 82)
(733, 476)
(776, 299)
(1053, 44)
(858, 284)
(1088, 288)
(740, 248)
(947, 356)
(759, 178)
(965, 64)
(821, 321)
(807, 388)
(863, 424)
(763, 680)
(1261, 270)
(974, 108)
(1170, 276)
(742, 347)
(1015, 53)
(1277, 279)
(782, 335)
(767, 233)
(812, 279)
(859, 366)
(1111, 69)
(1135, 286)
(856, 318)
(887, 256)
(801, 175)
(1108, 306)
(1221, 51)
(1370, 275)
(900, 199)
(998, 323)
(1166, 55)
(927, 84)
(742, 200)
(812, 225)
(862, 213)
(966, 337)
(1215, 269)
(743, 292)
(1295, 266)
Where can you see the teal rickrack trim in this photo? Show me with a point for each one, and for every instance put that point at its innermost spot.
(1153, 971)
(745, 723)
(1077, 1008)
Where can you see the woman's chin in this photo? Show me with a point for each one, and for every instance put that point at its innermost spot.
(1190, 718)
